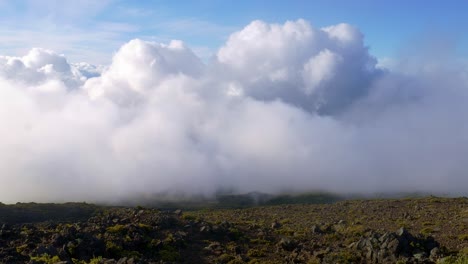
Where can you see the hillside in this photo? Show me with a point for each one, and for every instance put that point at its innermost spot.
(416, 230)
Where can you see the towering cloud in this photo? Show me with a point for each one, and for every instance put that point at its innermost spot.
(322, 70)
(280, 107)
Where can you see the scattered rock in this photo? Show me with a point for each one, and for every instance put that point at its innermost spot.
(287, 244)
(275, 225)
(389, 246)
(316, 229)
(435, 253)
(178, 212)
(129, 236)
(205, 229)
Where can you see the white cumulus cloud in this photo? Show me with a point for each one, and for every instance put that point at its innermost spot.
(295, 62)
(280, 107)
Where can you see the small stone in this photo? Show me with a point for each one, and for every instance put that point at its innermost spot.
(435, 253)
(178, 212)
(316, 229)
(214, 248)
(122, 261)
(205, 229)
(420, 255)
(402, 232)
(287, 244)
(275, 225)
(320, 254)
(392, 246)
(237, 250)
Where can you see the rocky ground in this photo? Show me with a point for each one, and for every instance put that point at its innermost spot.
(423, 230)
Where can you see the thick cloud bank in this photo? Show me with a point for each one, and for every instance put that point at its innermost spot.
(279, 108)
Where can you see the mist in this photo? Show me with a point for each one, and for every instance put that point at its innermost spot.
(279, 107)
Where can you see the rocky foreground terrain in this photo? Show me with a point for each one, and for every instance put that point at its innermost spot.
(422, 230)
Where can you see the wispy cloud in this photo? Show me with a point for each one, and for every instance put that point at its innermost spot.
(117, 27)
(92, 30)
(78, 44)
(204, 37)
(70, 11)
(195, 27)
(134, 11)
(66, 27)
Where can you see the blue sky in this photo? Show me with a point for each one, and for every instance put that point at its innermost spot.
(93, 30)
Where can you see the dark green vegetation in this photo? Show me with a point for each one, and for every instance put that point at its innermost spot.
(261, 199)
(227, 200)
(416, 230)
(34, 212)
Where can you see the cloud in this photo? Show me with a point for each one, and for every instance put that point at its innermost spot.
(74, 29)
(319, 70)
(78, 44)
(139, 66)
(280, 107)
(40, 66)
(295, 63)
(194, 27)
(60, 11)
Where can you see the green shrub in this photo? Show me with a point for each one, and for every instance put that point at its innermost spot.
(235, 234)
(169, 253)
(355, 230)
(21, 248)
(256, 253)
(236, 261)
(96, 260)
(460, 259)
(113, 248)
(46, 258)
(342, 257)
(226, 258)
(189, 217)
(427, 230)
(259, 241)
(116, 229)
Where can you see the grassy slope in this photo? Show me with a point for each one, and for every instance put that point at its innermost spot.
(250, 230)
